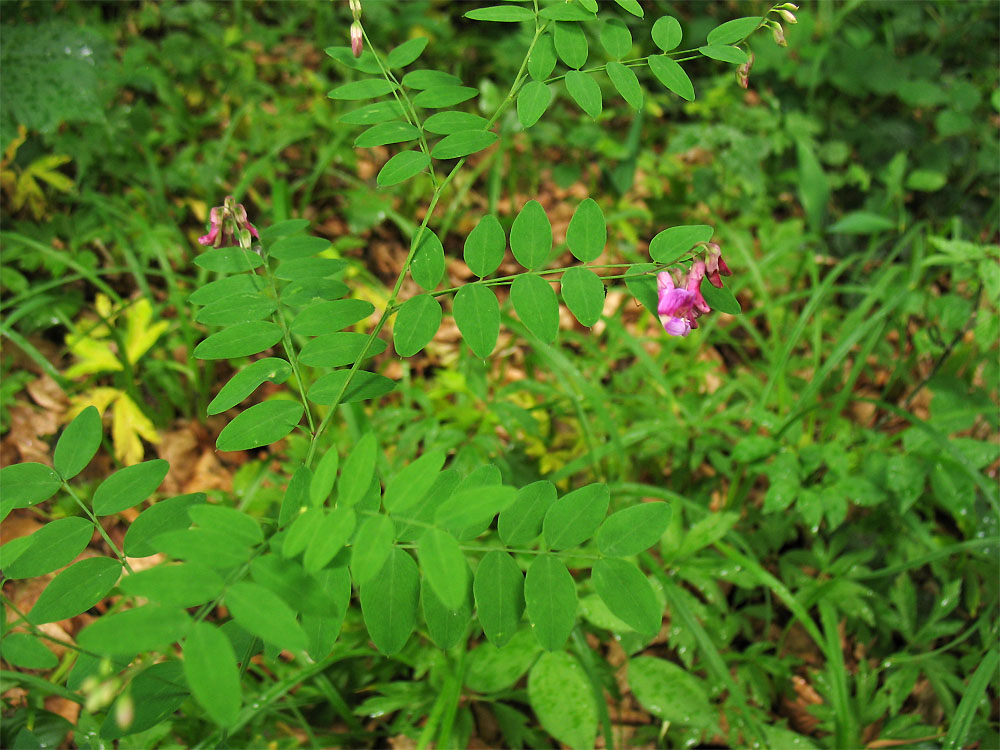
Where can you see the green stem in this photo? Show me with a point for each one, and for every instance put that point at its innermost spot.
(100, 529)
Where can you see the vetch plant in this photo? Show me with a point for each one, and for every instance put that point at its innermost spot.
(425, 549)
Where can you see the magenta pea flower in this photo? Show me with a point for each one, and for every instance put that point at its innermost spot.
(229, 226)
(715, 265)
(356, 39)
(679, 307)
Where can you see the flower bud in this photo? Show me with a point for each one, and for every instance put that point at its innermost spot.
(743, 72)
(779, 35)
(788, 6)
(356, 9)
(357, 39)
(787, 15)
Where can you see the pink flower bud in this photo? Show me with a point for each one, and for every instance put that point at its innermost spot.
(779, 35)
(715, 265)
(357, 39)
(229, 226)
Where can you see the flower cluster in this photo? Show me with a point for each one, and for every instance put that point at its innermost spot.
(229, 226)
(680, 302)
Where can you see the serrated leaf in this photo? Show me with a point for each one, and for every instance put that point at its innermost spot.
(463, 143)
(247, 380)
(129, 486)
(536, 305)
(532, 102)
(633, 530)
(666, 33)
(385, 133)
(583, 291)
(574, 517)
(389, 602)
(585, 92)
(211, 673)
(672, 76)
(240, 340)
(499, 594)
(78, 444)
(402, 167)
(550, 600)
(261, 424)
(485, 246)
(672, 244)
(625, 83)
(531, 236)
(366, 89)
(623, 587)
(571, 44)
(477, 314)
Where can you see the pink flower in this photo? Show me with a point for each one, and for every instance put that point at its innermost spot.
(356, 39)
(679, 308)
(229, 226)
(715, 265)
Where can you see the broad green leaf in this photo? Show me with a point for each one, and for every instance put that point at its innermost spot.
(293, 248)
(77, 445)
(262, 612)
(626, 83)
(616, 38)
(566, 12)
(26, 651)
(583, 291)
(54, 545)
(633, 530)
(642, 283)
(230, 521)
(76, 589)
(632, 6)
(563, 700)
(296, 497)
(302, 531)
(485, 246)
(358, 471)
(338, 349)
(490, 669)
(389, 602)
(721, 299)
(372, 547)
(550, 600)
(446, 123)
(503, 13)
(146, 628)
(446, 627)
(411, 524)
(282, 229)
(239, 308)
(385, 133)
(229, 260)
(499, 593)
(426, 79)
(543, 58)
(672, 76)
(571, 44)
(327, 317)
(477, 314)
(366, 63)
(309, 269)
(814, 186)
(585, 92)
(734, 31)
(484, 476)
(215, 549)
(170, 514)
(427, 266)
(129, 486)
(225, 287)
(366, 89)
(332, 533)
(463, 143)
(247, 380)
(532, 102)
(667, 33)
(261, 424)
(177, 585)
(668, 692)
(402, 167)
(672, 244)
(372, 114)
(574, 517)
(537, 305)
(521, 522)
(364, 385)
(211, 673)
(587, 233)
(531, 236)
(623, 587)
(153, 694)
(324, 478)
(437, 97)
(324, 628)
(407, 52)
(862, 222)
(413, 482)
(240, 340)
(303, 592)
(724, 53)
(30, 483)
(472, 507)
(444, 567)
